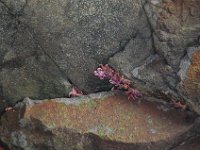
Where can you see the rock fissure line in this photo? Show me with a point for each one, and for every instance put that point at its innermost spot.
(150, 27)
(14, 16)
(174, 88)
(10, 11)
(153, 33)
(8, 8)
(37, 44)
(122, 46)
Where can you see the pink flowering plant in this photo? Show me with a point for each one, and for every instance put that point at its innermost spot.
(75, 92)
(119, 82)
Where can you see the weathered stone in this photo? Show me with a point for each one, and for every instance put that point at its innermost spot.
(135, 52)
(36, 78)
(99, 121)
(153, 71)
(26, 71)
(76, 36)
(190, 75)
(79, 35)
(46, 44)
(173, 27)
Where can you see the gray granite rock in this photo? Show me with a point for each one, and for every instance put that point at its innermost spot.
(75, 36)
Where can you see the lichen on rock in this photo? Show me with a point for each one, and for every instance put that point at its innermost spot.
(81, 122)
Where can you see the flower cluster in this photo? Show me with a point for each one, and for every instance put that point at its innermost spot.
(119, 82)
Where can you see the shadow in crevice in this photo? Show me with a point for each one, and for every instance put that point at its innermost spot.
(4, 145)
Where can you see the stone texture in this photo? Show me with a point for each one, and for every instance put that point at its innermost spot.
(47, 46)
(190, 71)
(98, 121)
(74, 36)
(27, 71)
(175, 26)
(157, 63)
(79, 35)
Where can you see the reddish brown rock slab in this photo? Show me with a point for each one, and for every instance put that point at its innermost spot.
(100, 121)
(191, 84)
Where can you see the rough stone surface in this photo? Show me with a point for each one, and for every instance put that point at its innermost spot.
(74, 36)
(46, 46)
(190, 75)
(159, 70)
(176, 26)
(79, 35)
(100, 121)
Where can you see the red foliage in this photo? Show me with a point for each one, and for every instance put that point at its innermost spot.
(119, 82)
(75, 92)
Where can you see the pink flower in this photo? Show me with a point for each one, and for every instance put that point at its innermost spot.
(108, 71)
(100, 73)
(120, 83)
(75, 92)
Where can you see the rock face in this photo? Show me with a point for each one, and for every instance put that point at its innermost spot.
(174, 31)
(45, 46)
(48, 46)
(100, 121)
(190, 75)
(72, 37)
